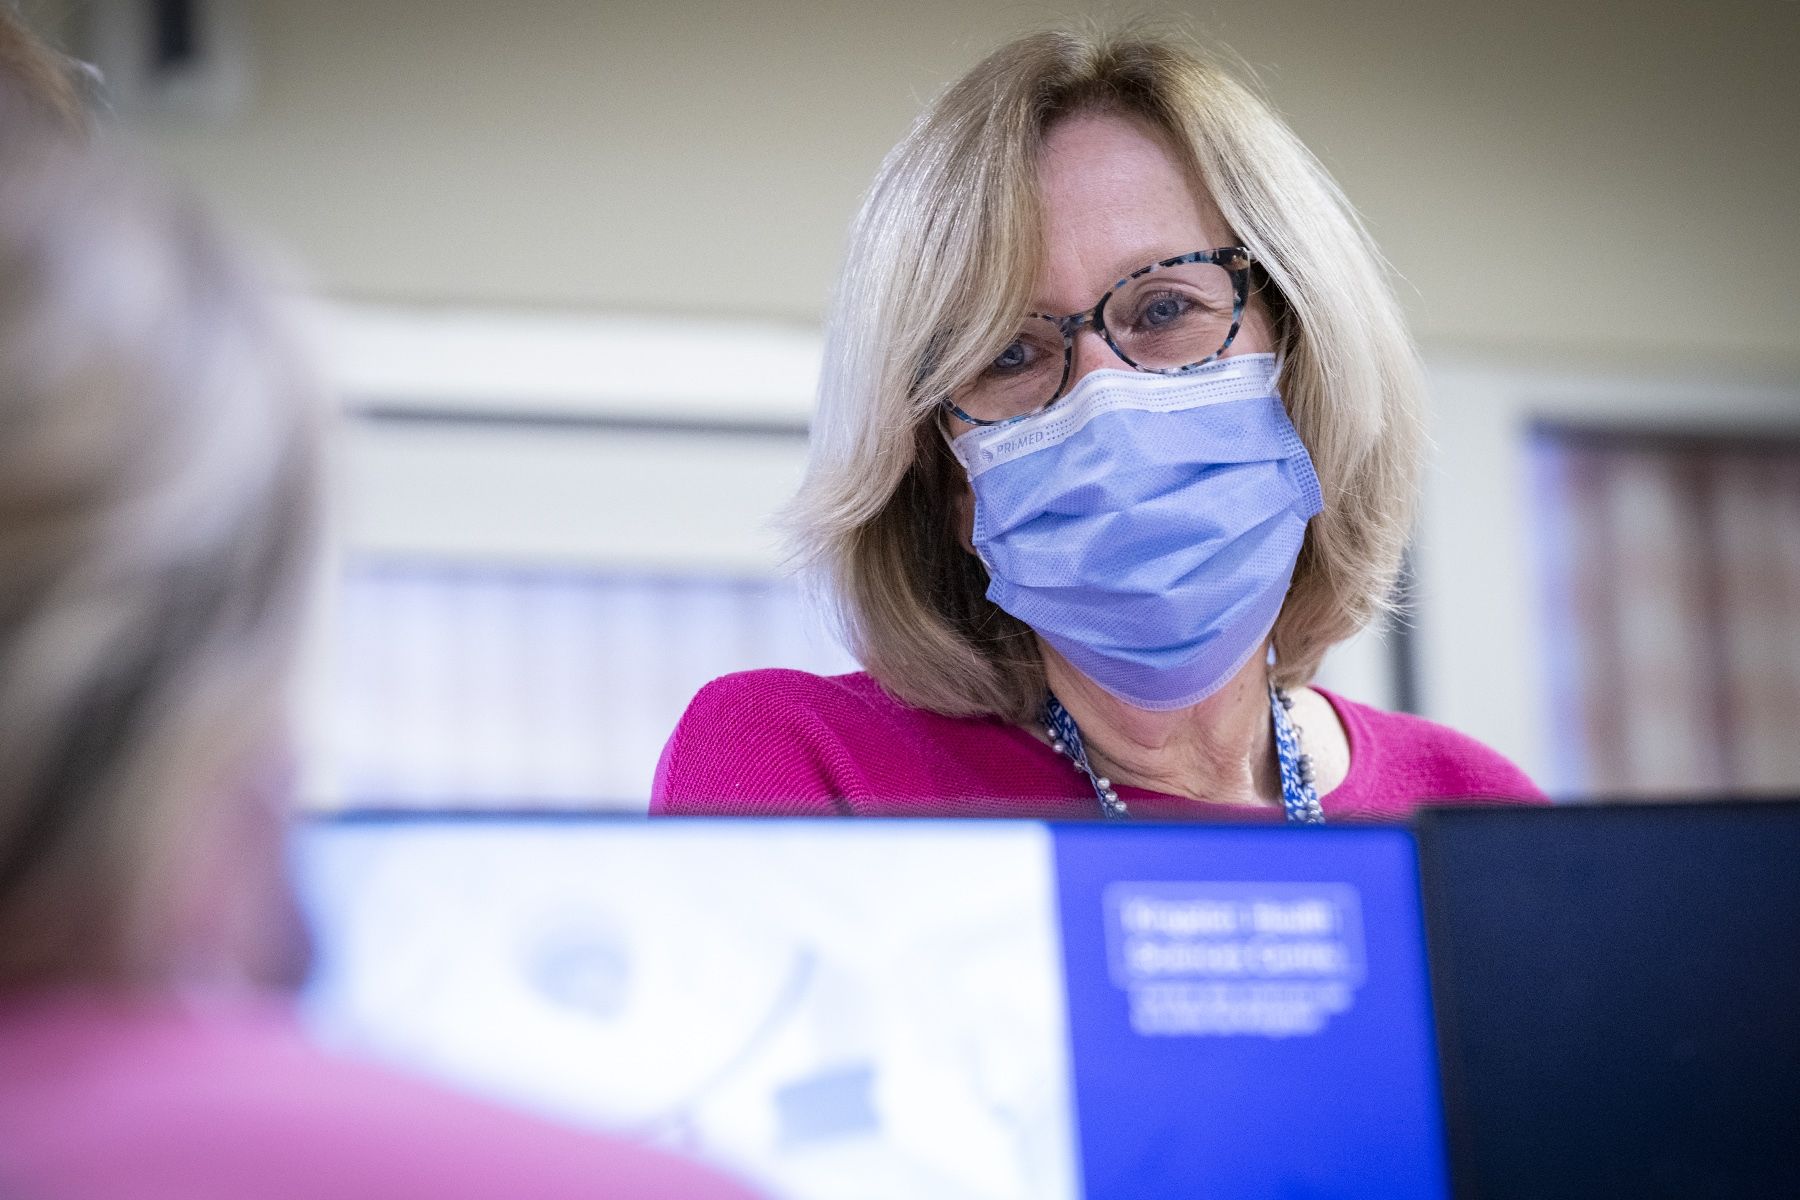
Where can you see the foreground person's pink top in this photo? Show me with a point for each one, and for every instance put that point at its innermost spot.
(107, 1098)
(785, 743)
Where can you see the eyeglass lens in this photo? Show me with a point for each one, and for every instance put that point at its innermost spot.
(1162, 320)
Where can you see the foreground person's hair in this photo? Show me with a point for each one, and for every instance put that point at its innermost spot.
(938, 274)
(37, 80)
(157, 446)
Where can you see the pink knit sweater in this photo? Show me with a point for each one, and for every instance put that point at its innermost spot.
(108, 1096)
(786, 743)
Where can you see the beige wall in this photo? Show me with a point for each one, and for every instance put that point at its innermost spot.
(1587, 180)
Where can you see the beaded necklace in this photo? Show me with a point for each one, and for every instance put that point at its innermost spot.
(1299, 797)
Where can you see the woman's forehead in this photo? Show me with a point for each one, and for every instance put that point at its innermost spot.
(1114, 196)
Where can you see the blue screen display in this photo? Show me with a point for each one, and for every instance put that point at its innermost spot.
(1249, 1013)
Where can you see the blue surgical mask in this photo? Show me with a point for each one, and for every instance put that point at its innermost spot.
(1147, 526)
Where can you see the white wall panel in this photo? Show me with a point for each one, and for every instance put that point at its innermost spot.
(621, 499)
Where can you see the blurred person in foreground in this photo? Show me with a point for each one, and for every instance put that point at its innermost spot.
(158, 447)
(1118, 432)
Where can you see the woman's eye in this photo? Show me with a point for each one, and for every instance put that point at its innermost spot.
(1012, 358)
(1162, 311)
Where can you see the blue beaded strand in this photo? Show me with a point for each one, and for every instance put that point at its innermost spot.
(1065, 739)
(1299, 796)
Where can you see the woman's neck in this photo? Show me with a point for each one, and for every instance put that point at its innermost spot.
(1219, 750)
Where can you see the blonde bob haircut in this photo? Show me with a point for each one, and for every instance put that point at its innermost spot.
(940, 271)
(158, 442)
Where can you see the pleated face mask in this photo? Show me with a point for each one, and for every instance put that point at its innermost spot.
(1146, 526)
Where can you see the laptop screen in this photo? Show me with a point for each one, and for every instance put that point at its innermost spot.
(916, 1009)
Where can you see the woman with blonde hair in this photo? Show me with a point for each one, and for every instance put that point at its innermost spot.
(1118, 433)
(159, 438)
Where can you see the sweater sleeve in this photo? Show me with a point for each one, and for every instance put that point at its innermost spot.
(754, 744)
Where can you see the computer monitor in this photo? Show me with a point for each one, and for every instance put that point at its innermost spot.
(1618, 997)
(892, 1009)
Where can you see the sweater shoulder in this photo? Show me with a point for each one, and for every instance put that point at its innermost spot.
(784, 702)
(782, 689)
(1399, 761)
(768, 742)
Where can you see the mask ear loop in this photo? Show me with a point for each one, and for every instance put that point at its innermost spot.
(1281, 317)
(939, 419)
